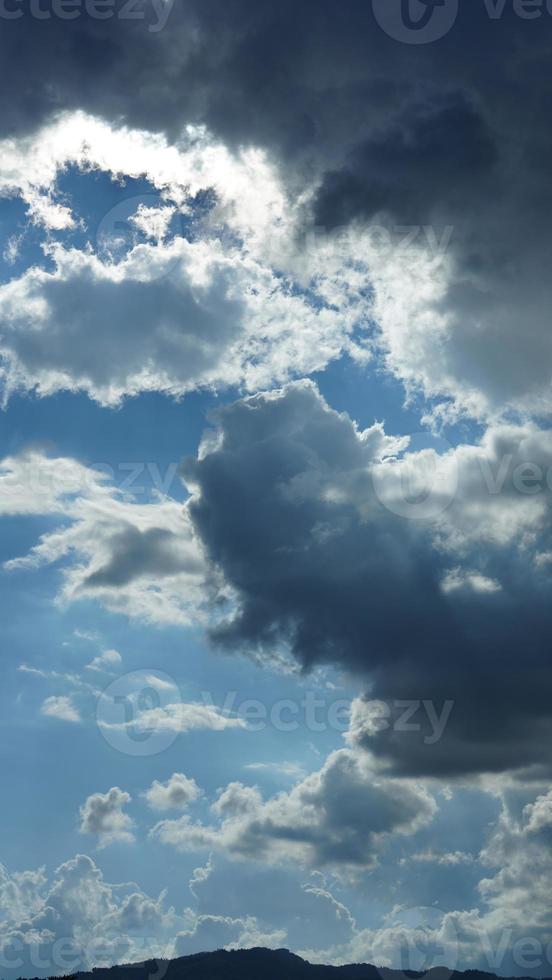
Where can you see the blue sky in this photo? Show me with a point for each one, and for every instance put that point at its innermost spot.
(275, 477)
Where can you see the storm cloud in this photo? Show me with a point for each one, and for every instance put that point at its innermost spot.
(362, 127)
(300, 512)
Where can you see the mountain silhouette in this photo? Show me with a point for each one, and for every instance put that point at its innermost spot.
(263, 964)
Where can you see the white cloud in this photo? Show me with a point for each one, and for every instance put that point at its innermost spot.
(160, 683)
(201, 875)
(153, 222)
(458, 579)
(21, 894)
(446, 859)
(102, 815)
(185, 716)
(11, 249)
(291, 770)
(175, 315)
(105, 661)
(236, 801)
(176, 794)
(78, 921)
(187, 315)
(34, 483)
(56, 675)
(249, 192)
(60, 707)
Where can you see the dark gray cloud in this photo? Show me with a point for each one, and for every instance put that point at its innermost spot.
(450, 609)
(262, 72)
(440, 157)
(452, 132)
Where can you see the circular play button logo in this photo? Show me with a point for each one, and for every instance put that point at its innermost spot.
(415, 21)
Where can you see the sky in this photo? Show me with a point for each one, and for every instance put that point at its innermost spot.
(275, 482)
